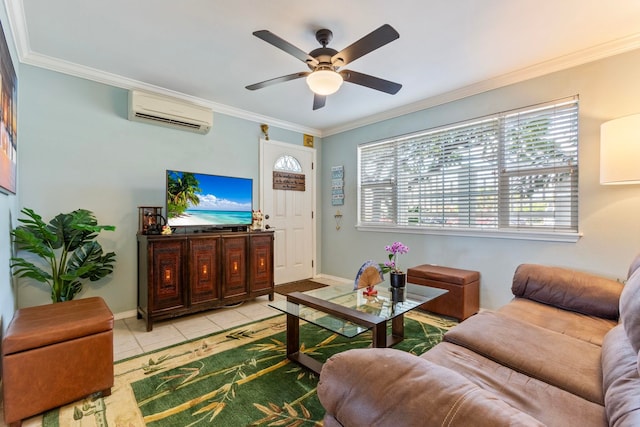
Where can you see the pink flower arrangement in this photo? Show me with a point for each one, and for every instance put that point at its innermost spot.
(394, 250)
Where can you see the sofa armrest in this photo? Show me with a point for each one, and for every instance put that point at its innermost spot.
(387, 387)
(621, 381)
(568, 289)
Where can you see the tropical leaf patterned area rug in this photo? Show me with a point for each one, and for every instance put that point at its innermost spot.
(238, 377)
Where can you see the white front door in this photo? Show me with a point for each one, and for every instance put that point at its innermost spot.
(289, 213)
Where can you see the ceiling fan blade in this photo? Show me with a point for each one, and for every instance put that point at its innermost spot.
(278, 80)
(370, 81)
(318, 101)
(370, 42)
(282, 44)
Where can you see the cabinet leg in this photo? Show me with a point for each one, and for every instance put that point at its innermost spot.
(271, 296)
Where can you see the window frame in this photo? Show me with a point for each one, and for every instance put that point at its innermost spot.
(562, 234)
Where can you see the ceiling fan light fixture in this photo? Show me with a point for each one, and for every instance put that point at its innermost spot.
(324, 82)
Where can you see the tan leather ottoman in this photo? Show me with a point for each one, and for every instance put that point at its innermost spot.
(463, 298)
(55, 354)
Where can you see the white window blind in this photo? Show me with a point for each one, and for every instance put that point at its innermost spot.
(516, 170)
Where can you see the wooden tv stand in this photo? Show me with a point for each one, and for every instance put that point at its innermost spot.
(185, 273)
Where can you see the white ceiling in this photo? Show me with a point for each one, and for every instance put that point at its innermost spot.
(204, 50)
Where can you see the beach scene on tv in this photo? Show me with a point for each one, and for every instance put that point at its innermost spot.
(207, 200)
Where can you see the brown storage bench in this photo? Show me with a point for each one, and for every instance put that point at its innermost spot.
(56, 354)
(463, 298)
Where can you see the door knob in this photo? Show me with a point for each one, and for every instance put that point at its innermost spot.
(266, 216)
(267, 226)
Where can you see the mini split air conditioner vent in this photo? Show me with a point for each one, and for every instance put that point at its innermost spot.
(170, 112)
(165, 120)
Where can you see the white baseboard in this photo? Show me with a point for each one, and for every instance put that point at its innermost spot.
(125, 314)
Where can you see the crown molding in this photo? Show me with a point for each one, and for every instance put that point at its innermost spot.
(18, 26)
(564, 62)
(65, 67)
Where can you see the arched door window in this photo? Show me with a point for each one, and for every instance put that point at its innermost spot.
(287, 163)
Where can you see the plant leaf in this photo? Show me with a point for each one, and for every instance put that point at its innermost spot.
(76, 228)
(87, 262)
(65, 227)
(36, 226)
(34, 241)
(24, 268)
(67, 291)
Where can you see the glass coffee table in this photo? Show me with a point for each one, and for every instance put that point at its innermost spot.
(340, 309)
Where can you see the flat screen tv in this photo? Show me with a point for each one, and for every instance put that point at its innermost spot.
(208, 201)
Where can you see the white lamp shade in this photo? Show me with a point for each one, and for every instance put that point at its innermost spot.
(620, 151)
(324, 82)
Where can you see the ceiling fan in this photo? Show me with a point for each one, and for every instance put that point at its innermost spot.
(324, 63)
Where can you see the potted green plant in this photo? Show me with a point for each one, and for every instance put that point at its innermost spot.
(67, 246)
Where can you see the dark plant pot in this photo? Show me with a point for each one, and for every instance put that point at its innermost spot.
(397, 294)
(397, 280)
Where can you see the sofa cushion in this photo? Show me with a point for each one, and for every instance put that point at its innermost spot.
(587, 328)
(630, 309)
(568, 289)
(548, 404)
(621, 381)
(409, 391)
(562, 361)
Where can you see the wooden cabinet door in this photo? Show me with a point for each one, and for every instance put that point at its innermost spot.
(203, 269)
(234, 259)
(167, 274)
(261, 262)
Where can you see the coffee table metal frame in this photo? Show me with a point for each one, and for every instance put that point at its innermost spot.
(377, 324)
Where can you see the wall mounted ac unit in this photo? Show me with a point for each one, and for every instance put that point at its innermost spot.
(171, 112)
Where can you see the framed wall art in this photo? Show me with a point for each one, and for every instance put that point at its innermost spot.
(8, 119)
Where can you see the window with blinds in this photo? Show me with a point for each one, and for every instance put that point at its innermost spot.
(516, 170)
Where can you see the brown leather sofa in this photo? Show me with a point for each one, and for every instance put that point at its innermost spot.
(563, 352)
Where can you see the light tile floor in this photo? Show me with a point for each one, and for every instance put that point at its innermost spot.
(130, 337)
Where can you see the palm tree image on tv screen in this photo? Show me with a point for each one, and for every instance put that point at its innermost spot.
(182, 189)
(197, 199)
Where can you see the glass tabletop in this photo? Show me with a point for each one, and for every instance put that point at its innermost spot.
(380, 307)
